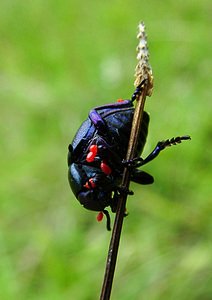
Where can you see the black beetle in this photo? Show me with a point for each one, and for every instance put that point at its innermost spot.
(98, 150)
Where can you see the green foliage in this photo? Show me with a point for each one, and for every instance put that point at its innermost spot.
(58, 60)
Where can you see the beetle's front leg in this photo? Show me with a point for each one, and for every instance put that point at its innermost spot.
(162, 145)
(138, 91)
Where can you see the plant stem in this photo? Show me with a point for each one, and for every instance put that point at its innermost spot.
(144, 73)
(117, 228)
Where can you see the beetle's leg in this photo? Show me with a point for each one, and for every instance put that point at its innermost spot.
(124, 190)
(115, 199)
(106, 213)
(162, 145)
(141, 177)
(137, 91)
(138, 162)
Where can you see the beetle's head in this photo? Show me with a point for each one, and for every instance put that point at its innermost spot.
(89, 194)
(94, 199)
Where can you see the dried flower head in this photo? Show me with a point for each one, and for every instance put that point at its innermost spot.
(143, 69)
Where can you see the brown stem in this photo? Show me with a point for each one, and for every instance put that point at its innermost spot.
(116, 234)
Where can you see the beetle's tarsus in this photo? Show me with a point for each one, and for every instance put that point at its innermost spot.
(173, 141)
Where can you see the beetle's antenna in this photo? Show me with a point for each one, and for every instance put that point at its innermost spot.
(144, 86)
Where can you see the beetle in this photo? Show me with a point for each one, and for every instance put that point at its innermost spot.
(96, 156)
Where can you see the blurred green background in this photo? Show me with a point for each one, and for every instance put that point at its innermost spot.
(58, 60)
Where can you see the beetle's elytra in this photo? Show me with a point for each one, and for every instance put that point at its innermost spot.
(97, 153)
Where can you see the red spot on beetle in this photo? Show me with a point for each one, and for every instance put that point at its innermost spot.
(120, 100)
(100, 216)
(105, 168)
